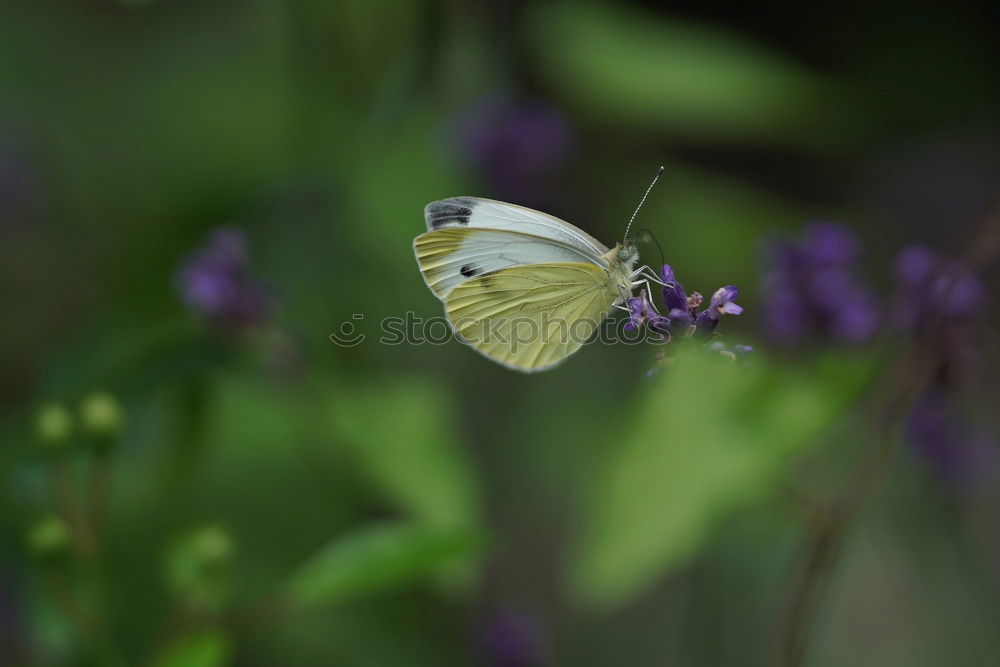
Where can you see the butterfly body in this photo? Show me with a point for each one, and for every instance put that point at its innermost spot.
(621, 261)
(521, 287)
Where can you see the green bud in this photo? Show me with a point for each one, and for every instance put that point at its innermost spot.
(212, 546)
(48, 537)
(198, 567)
(54, 426)
(101, 415)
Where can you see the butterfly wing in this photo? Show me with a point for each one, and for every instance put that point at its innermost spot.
(531, 318)
(476, 213)
(451, 255)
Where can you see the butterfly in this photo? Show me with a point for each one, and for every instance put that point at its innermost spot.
(523, 288)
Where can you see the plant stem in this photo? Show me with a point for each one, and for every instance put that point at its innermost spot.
(99, 495)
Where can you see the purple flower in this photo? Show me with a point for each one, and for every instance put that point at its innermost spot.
(931, 288)
(811, 291)
(510, 640)
(722, 303)
(641, 311)
(680, 319)
(682, 310)
(215, 283)
(683, 319)
(830, 244)
(516, 145)
(951, 446)
(673, 292)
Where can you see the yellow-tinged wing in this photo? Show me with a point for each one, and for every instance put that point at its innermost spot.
(531, 317)
(449, 256)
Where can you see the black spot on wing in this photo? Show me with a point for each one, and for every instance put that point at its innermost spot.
(468, 270)
(454, 211)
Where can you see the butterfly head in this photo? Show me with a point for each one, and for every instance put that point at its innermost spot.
(626, 253)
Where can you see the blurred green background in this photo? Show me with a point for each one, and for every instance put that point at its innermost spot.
(178, 489)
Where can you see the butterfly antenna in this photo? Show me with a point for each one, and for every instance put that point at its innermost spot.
(641, 202)
(646, 235)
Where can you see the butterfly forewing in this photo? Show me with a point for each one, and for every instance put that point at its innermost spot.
(477, 213)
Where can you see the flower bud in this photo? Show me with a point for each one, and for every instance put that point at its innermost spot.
(198, 567)
(212, 546)
(49, 537)
(54, 426)
(101, 415)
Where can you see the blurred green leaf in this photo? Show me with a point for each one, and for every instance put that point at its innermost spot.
(209, 648)
(378, 558)
(623, 66)
(403, 435)
(712, 438)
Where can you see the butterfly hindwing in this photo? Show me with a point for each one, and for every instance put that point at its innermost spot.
(531, 317)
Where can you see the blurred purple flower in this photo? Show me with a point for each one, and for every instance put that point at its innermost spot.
(516, 145)
(951, 446)
(934, 289)
(214, 282)
(511, 640)
(679, 320)
(810, 290)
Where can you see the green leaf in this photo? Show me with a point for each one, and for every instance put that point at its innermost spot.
(378, 558)
(623, 66)
(209, 648)
(712, 438)
(403, 435)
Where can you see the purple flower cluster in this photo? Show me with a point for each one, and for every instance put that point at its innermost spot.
(813, 295)
(214, 281)
(933, 290)
(812, 291)
(516, 145)
(943, 298)
(683, 316)
(956, 449)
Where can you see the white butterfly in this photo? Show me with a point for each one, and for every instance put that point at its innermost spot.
(522, 287)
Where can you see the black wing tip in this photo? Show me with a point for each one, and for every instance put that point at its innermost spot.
(449, 212)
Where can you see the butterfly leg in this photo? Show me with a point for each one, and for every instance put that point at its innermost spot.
(646, 272)
(645, 282)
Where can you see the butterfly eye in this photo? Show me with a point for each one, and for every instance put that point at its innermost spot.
(623, 254)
